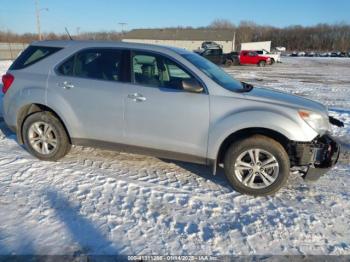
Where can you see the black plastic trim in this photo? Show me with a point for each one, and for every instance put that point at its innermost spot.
(319, 156)
(140, 150)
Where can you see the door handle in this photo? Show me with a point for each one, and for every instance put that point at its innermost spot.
(66, 85)
(136, 97)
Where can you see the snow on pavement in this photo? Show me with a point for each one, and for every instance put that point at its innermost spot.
(102, 202)
(326, 80)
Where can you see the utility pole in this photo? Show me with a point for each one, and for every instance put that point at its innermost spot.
(123, 24)
(37, 11)
(234, 42)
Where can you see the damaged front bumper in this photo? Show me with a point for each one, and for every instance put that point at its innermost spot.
(315, 158)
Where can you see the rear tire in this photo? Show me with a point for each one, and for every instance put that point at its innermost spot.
(260, 177)
(228, 63)
(235, 62)
(45, 137)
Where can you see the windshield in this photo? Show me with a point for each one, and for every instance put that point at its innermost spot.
(214, 72)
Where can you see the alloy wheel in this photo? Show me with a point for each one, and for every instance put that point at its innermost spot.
(42, 138)
(256, 168)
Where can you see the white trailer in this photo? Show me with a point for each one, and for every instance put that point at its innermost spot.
(257, 46)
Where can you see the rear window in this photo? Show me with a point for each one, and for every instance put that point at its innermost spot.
(32, 55)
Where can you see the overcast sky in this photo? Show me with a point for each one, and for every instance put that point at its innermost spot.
(95, 15)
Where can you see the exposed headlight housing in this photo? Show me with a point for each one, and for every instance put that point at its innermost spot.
(316, 121)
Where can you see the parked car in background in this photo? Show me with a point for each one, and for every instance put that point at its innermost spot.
(247, 57)
(321, 54)
(275, 57)
(210, 44)
(310, 54)
(166, 102)
(334, 54)
(216, 55)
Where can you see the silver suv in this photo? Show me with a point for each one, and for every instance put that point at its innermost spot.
(165, 102)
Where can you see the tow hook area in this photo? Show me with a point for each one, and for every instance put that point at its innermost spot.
(316, 157)
(336, 122)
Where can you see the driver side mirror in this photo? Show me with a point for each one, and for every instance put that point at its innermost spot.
(192, 85)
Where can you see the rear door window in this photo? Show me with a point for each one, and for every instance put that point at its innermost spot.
(101, 64)
(32, 55)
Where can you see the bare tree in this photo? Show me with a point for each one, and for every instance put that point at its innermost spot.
(222, 23)
(321, 37)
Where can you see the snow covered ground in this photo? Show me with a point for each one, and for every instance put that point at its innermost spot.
(102, 202)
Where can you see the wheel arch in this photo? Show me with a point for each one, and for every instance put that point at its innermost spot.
(247, 132)
(30, 109)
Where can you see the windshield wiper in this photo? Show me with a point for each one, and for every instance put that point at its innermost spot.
(247, 87)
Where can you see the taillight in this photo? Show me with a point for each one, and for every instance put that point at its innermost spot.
(7, 81)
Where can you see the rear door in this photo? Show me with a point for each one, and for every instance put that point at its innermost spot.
(159, 114)
(87, 90)
(253, 58)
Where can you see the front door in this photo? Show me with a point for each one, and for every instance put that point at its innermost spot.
(253, 58)
(159, 114)
(214, 55)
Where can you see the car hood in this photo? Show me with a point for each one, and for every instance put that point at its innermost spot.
(277, 97)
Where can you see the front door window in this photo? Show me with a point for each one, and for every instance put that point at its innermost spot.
(157, 71)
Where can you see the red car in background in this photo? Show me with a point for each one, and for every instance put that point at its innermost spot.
(247, 57)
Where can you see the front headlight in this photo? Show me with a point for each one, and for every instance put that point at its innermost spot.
(318, 122)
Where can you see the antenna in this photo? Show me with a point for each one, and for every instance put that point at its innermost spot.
(68, 33)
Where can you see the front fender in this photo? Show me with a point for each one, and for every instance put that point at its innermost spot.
(293, 129)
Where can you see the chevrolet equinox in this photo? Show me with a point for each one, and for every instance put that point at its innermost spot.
(166, 102)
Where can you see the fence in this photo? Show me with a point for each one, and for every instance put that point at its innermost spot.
(9, 51)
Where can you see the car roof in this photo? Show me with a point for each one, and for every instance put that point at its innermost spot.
(96, 44)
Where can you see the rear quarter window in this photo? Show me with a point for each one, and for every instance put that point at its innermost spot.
(32, 55)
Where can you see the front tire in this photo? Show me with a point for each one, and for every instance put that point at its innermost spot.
(257, 166)
(45, 137)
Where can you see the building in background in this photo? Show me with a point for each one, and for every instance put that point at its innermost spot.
(187, 38)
